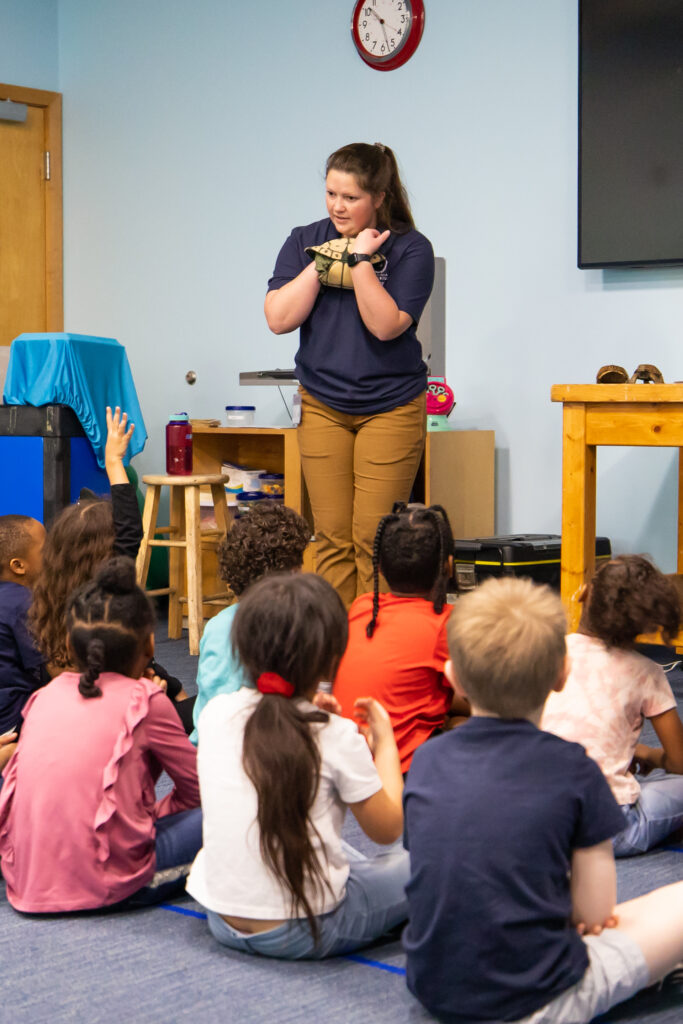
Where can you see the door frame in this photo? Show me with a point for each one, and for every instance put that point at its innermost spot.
(51, 102)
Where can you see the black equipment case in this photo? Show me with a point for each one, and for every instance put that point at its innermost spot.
(535, 555)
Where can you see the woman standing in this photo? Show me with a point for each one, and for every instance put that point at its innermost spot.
(359, 362)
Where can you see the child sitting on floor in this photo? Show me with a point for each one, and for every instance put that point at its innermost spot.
(512, 877)
(397, 642)
(612, 689)
(270, 538)
(277, 774)
(81, 539)
(79, 825)
(22, 666)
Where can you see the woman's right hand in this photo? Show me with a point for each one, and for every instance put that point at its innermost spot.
(373, 721)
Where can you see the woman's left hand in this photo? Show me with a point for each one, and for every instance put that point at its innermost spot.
(369, 240)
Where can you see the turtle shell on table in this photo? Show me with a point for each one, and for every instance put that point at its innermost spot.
(331, 261)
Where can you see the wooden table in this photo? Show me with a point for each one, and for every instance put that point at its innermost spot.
(645, 415)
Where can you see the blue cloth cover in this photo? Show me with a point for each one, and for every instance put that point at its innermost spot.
(85, 373)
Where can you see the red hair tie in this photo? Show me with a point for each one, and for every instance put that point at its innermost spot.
(271, 682)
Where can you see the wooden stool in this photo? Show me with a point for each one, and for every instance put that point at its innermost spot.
(185, 530)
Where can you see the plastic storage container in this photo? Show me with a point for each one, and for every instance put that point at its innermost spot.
(533, 555)
(239, 415)
(273, 484)
(179, 445)
(242, 477)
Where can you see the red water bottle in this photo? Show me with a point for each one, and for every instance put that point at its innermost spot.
(179, 445)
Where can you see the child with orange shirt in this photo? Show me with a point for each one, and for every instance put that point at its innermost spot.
(397, 641)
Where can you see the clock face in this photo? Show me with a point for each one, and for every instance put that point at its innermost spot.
(386, 32)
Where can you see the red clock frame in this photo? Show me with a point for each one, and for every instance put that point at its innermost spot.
(410, 43)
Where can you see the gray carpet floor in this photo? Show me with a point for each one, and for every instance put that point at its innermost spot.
(161, 965)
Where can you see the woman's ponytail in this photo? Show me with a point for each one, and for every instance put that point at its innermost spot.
(395, 210)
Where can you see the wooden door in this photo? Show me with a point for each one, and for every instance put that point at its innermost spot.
(31, 215)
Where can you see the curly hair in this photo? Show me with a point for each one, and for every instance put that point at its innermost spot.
(80, 540)
(270, 538)
(628, 596)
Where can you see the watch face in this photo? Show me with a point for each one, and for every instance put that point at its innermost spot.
(386, 32)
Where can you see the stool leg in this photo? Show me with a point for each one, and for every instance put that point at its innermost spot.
(175, 565)
(149, 523)
(220, 505)
(195, 610)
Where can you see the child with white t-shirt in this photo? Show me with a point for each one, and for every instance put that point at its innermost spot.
(612, 689)
(277, 774)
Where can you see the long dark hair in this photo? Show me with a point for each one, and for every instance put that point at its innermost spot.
(376, 170)
(295, 626)
(108, 620)
(627, 596)
(79, 541)
(410, 550)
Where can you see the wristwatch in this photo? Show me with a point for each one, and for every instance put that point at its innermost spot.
(357, 257)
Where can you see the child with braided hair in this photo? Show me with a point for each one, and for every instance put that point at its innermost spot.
(397, 641)
(79, 824)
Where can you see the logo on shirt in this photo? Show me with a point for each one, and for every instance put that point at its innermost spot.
(384, 272)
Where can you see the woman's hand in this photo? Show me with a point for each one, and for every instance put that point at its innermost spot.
(369, 240)
(118, 436)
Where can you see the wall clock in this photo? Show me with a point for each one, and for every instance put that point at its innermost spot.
(386, 33)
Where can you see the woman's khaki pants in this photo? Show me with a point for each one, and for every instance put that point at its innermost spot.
(355, 468)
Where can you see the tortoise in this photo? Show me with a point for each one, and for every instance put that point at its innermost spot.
(331, 261)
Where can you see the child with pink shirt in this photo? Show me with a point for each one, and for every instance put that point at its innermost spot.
(80, 826)
(611, 689)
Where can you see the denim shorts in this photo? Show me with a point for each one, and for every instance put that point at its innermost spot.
(616, 971)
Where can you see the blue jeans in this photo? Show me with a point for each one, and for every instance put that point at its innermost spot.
(375, 902)
(656, 814)
(178, 840)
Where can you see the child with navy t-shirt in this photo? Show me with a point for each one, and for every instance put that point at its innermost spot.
(22, 666)
(512, 889)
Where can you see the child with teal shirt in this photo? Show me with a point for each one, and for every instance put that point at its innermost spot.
(269, 538)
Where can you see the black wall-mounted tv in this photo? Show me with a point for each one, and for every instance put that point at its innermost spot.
(630, 132)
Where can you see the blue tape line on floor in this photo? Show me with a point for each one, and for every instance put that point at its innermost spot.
(182, 910)
(357, 958)
(673, 849)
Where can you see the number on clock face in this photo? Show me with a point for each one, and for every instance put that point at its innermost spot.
(383, 26)
(386, 32)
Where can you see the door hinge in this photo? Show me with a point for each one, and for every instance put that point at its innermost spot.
(47, 165)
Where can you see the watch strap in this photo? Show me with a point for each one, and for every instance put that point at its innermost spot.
(358, 257)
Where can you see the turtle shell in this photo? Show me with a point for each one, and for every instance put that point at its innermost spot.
(331, 261)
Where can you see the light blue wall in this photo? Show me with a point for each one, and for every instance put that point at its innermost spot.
(195, 136)
(28, 43)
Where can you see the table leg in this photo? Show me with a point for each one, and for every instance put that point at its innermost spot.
(578, 510)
